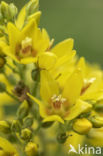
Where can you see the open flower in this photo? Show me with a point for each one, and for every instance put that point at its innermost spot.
(26, 45)
(92, 81)
(60, 105)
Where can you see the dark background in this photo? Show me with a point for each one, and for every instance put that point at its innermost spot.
(78, 19)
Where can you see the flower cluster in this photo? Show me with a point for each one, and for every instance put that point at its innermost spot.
(48, 95)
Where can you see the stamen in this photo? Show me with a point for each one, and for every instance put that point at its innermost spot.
(57, 101)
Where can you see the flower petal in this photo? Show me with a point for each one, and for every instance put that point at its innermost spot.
(73, 86)
(63, 47)
(47, 60)
(8, 147)
(14, 35)
(48, 86)
(28, 60)
(29, 30)
(21, 18)
(54, 118)
(35, 16)
(77, 109)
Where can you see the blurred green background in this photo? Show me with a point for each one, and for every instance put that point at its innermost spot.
(78, 19)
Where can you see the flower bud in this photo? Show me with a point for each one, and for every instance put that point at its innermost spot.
(4, 127)
(4, 9)
(16, 127)
(28, 121)
(2, 87)
(32, 7)
(26, 134)
(31, 149)
(82, 126)
(2, 62)
(12, 11)
(61, 138)
(47, 60)
(23, 110)
(97, 121)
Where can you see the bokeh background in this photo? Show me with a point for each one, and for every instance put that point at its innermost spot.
(78, 19)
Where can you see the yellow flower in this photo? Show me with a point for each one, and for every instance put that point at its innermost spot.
(92, 77)
(60, 105)
(64, 65)
(7, 148)
(26, 45)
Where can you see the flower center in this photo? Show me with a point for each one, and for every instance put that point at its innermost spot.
(87, 84)
(25, 49)
(57, 101)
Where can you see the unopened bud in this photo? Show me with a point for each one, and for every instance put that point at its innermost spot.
(12, 11)
(23, 110)
(97, 121)
(61, 138)
(16, 127)
(32, 7)
(4, 127)
(2, 87)
(28, 121)
(4, 9)
(82, 126)
(26, 134)
(31, 149)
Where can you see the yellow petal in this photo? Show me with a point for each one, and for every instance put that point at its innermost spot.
(54, 118)
(63, 64)
(42, 107)
(95, 88)
(7, 51)
(21, 18)
(7, 147)
(29, 30)
(35, 16)
(28, 60)
(47, 60)
(45, 38)
(77, 109)
(14, 36)
(63, 47)
(48, 86)
(82, 66)
(73, 86)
